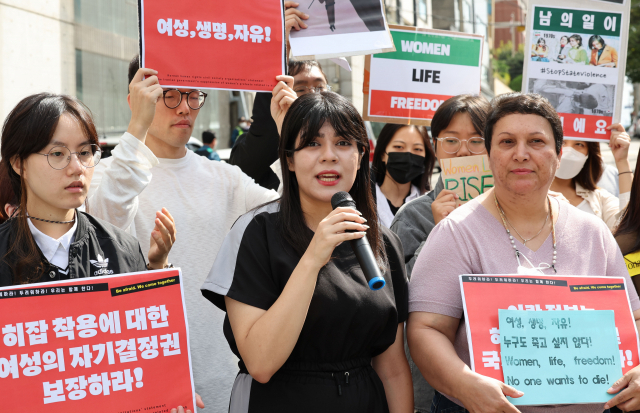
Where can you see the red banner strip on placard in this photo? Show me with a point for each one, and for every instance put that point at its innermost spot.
(576, 126)
(404, 105)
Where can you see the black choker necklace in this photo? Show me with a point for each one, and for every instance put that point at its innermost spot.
(53, 222)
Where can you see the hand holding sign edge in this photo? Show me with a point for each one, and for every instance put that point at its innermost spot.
(283, 97)
(142, 98)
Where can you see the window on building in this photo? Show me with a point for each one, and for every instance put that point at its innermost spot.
(422, 9)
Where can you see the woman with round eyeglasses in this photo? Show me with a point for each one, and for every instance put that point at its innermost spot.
(457, 129)
(49, 149)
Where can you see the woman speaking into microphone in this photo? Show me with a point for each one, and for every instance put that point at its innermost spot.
(310, 333)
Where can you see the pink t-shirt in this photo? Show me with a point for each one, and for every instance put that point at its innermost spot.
(472, 241)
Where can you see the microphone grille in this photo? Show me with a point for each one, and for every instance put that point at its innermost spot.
(342, 199)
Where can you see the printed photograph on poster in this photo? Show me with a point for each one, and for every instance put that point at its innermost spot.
(574, 61)
(198, 45)
(341, 28)
(576, 97)
(575, 49)
(342, 17)
(408, 85)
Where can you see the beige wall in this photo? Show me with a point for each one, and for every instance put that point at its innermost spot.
(36, 49)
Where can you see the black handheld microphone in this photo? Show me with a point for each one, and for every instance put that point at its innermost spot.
(361, 246)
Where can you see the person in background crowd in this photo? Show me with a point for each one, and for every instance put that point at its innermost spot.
(627, 232)
(457, 132)
(402, 166)
(577, 54)
(124, 193)
(257, 150)
(457, 129)
(516, 227)
(540, 51)
(581, 169)
(601, 53)
(243, 127)
(310, 333)
(207, 149)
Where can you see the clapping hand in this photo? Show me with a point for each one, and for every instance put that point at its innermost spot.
(163, 237)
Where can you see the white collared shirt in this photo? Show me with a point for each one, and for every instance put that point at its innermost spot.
(385, 216)
(56, 251)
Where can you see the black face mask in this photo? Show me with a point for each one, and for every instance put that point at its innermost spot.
(404, 166)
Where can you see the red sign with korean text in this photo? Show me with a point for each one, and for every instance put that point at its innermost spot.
(213, 44)
(484, 295)
(102, 344)
(586, 127)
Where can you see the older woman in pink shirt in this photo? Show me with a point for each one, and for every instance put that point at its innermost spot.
(514, 228)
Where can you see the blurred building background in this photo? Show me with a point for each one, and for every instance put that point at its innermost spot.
(83, 48)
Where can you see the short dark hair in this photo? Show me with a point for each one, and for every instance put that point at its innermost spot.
(208, 137)
(379, 168)
(592, 170)
(134, 65)
(298, 66)
(597, 38)
(525, 104)
(477, 107)
(577, 38)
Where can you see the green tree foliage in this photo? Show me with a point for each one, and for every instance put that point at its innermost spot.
(507, 65)
(633, 54)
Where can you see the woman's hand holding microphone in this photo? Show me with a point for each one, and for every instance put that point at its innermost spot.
(331, 232)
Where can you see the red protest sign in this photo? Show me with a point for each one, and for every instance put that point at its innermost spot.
(214, 44)
(104, 344)
(484, 295)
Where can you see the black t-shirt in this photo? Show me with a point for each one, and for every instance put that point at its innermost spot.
(346, 320)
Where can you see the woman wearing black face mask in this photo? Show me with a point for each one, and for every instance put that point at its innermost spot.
(402, 166)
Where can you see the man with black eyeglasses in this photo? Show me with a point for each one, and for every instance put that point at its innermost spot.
(152, 168)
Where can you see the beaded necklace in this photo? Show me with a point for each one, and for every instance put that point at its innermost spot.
(513, 241)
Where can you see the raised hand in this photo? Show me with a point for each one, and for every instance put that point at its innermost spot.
(283, 97)
(143, 96)
(443, 205)
(163, 237)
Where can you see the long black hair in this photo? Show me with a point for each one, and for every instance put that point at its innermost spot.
(630, 219)
(423, 182)
(28, 129)
(304, 119)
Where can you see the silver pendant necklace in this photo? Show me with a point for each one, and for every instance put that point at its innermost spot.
(513, 242)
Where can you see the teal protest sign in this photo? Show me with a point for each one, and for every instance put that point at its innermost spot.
(559, 357)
